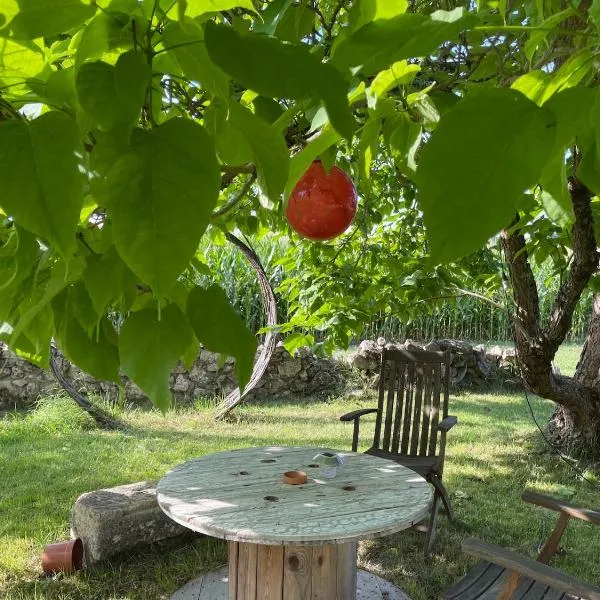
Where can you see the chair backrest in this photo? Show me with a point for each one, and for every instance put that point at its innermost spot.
(413, 399)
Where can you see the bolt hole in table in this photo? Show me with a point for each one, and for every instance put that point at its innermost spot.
(292, 542)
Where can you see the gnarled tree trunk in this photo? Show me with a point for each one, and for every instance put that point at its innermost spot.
(576, 423)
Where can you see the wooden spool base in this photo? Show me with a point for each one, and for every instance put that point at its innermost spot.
(215, 586)
(264, 572)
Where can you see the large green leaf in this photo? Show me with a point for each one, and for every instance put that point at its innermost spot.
(49, 283)
(105, 277)
(594, 11)
(268, 147)
(18, 256)
(366, 11)
(150, 346)
(280, 70)
(571, 109)
(41, 183)
(108, 30)
(378, 45)
(160, 197)
(481, 158)
(220, 329)
(19, 61)
(45, 18)
(113, 95)
(186, 43)
(94, 353)
(195, 8)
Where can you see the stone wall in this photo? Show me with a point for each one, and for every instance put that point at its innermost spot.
(304, 374)
(471, 366)
(22, 383)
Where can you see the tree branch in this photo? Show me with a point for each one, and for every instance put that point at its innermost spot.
(236, 199)
(583, 266)
(525, 291)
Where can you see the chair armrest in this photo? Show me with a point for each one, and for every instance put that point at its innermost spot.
(357, 414)
(447, 424)
(573, 510)
(531, 568)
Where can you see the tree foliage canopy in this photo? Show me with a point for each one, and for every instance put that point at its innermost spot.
(130, 129)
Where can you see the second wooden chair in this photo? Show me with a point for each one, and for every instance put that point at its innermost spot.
(412, 419)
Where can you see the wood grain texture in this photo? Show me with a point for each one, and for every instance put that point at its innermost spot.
(297, 573)
(531, 569)
(238, 495)
(269, 573)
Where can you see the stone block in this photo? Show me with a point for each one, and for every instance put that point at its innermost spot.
(112, 520)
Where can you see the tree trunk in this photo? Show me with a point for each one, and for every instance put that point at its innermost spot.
(575, 425)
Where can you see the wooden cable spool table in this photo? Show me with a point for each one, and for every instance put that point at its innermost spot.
(291, 542)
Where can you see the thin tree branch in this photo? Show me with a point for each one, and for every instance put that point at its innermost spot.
(236, 199)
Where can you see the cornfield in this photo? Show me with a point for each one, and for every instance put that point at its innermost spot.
(465, 318)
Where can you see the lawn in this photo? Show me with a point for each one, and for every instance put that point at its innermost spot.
(50, 456)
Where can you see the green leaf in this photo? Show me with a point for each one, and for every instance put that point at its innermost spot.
(400, 73)
(45, 18)
(105, 277)
(220, 329)
(186, 43)
(297, 340)
(108, 30)
(538, 36)
(367, 147)
(279, 70)
(403, 138)
(160, 197)
(595, 113)
(195, 8)
(33, 344)
(301, 161)
(572, 110)
(113, 96)
(41, 183)
(150, 346)
(94, 354)
(588, 170)
(59, 277)
(481, 158)
(19, 61)
(572, 72)
(366, 11)
(594, 11)
(271, 16)
(296, 24)
(21, 251)
(57, 89)
(378, 45)
(268, 147)
(232, 146)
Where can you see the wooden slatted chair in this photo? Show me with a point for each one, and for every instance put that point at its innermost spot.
(412, 419)
(505, 575)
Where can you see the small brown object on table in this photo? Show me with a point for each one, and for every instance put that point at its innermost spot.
(292, 542)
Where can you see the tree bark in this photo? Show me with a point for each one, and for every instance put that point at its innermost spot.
(578, 416)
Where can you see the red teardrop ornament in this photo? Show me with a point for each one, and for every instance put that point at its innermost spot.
(322, 204)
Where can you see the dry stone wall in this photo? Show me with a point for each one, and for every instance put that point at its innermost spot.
(470, 365)
(304, 374)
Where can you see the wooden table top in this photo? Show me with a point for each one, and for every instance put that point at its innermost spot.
(238, 495)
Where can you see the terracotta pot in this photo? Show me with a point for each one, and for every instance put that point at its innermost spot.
(294, 477)
(63, 556)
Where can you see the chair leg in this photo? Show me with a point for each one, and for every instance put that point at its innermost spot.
(432, 527)
(440, 491)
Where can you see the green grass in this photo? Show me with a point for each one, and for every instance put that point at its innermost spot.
(50, 456)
